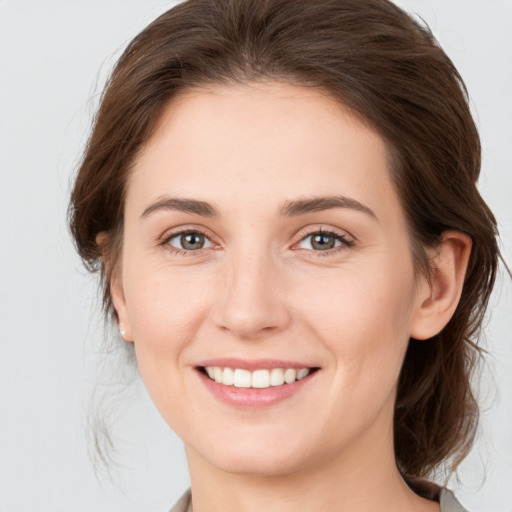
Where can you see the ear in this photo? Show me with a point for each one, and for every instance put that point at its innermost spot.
(119, 302)
(114, 278)
(438, 299)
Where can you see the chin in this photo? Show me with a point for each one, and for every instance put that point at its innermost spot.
(255, 458)
(250, 464)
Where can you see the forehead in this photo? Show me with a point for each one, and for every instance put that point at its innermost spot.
(261, 141)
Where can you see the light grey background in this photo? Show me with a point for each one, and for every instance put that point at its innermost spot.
(54, 57)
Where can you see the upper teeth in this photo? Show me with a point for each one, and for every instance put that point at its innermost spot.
(256, 379)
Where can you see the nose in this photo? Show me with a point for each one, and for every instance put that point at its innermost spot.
(252, 302)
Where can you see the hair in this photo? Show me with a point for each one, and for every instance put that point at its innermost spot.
(387, 69)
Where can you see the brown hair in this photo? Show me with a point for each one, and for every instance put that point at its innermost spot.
(389, 70)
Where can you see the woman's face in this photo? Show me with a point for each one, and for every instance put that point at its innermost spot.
(264, 241)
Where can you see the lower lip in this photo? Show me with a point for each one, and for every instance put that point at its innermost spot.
(253, 397)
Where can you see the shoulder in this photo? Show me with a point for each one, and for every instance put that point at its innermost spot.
(183, 504)
(448, 502)
(432, 491)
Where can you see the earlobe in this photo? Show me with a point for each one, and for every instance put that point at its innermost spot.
(437, 298)
(119, 303)
(115, 285)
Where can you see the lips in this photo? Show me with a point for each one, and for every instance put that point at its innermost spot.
(254, 383)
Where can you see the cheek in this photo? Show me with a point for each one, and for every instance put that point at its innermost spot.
(165, 300)
(166, 308)
(364, 320)
(358, 302)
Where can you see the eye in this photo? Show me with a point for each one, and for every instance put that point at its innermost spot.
(324, 241)
(189, 240)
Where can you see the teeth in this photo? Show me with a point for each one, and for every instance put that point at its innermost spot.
(276, 377)
(228, 377)
(290, 375)
(258, 379)
(242, 379)
(302, 373)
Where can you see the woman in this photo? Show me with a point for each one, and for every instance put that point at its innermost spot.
(281, 199)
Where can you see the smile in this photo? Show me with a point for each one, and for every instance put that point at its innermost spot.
(259, 379)
(255, 383)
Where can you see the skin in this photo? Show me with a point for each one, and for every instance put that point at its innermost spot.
(259, 289)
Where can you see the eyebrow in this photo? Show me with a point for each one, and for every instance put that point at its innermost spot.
(316, 204)
(183, 205)
(289, 209)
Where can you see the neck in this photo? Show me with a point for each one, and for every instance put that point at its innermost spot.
(352, 482)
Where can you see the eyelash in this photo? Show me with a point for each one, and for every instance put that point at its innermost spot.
(345, 242)
(182, 252)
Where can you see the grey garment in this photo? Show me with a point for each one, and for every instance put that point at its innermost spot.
(448, 503)
(183, 504)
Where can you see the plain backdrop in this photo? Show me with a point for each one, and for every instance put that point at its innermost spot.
(54, 58)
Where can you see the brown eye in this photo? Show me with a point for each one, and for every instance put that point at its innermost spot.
(323, 241)
(189, 241)
(192, 241)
